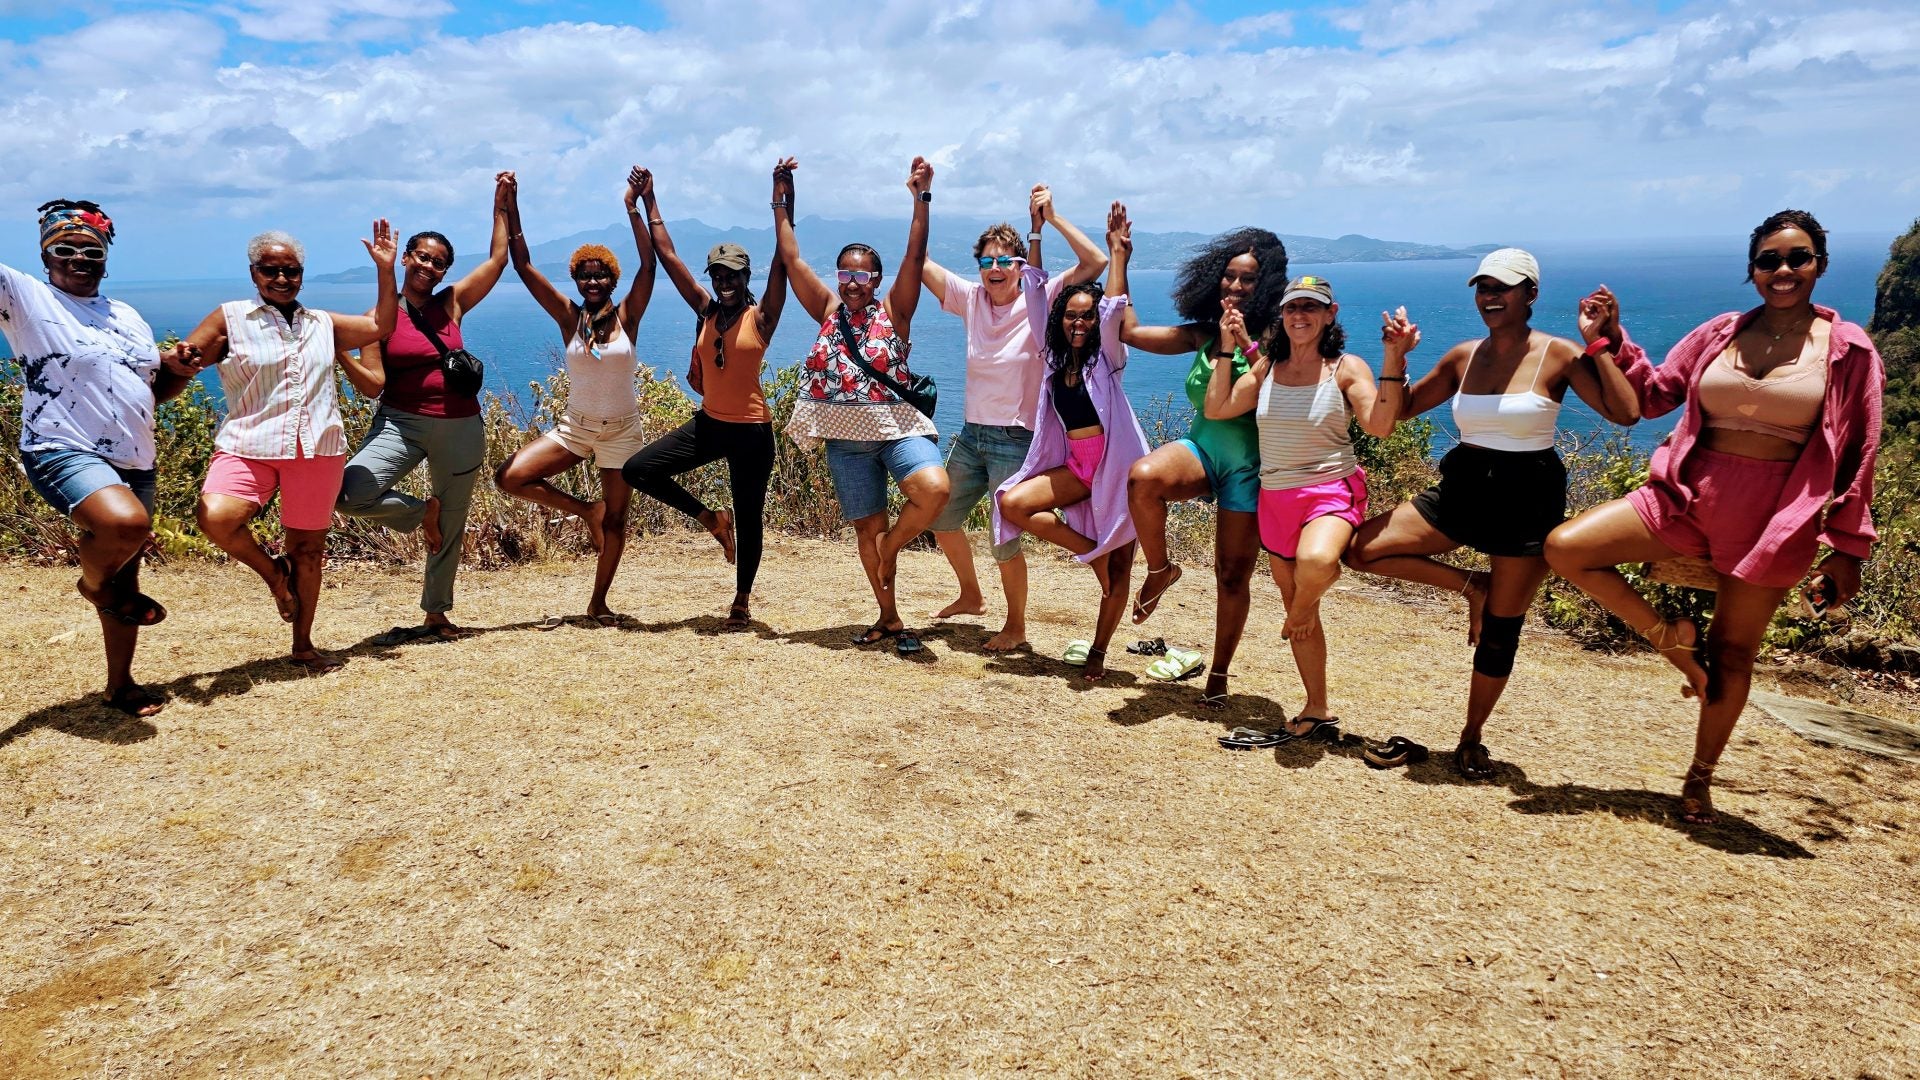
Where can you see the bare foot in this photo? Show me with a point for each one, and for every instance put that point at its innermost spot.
(135, 700)
(1152, 588)
(443, 626)
(1008, 639)
(889, 565)
(966, 605)
(430, 525)
(1096, 668)
(1304, 626)
(1476, 594)
(595, 519)
(1676, 641)
(315, 661)
(722, 530)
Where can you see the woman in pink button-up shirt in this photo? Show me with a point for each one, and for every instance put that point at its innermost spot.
(1772, 459)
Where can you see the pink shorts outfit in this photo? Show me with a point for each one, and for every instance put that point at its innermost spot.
(1286, 511)
(308, 486)
(1735, 499)
(1083, 456)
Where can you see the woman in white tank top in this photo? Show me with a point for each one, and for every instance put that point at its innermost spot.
(1503, 488)
(1313, 492)
(602, 421)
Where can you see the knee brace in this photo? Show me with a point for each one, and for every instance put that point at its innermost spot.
(1499, 640)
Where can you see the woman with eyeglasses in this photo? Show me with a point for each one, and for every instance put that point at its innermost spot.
(1243, 271)
(92, 380)
(602, 419)
(283, 433)
(734, 423)
(423, 417)
(1072, 488)
(1306, 393)
(851, 395)
(1772, 460)
(1504, 488)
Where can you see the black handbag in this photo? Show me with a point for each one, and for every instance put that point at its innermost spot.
(463, 371)
(922, 394)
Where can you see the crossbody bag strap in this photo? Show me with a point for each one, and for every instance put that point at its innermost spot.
(857, 353)
(420, 324)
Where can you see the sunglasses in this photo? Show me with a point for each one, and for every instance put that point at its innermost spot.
(68, 251)
(430, 260)
(291, 273)
(719, 349)
(1487, 286)
(1080, 316)
(594, 275)
(1003, 262)
(1768, 261)
(858, 277)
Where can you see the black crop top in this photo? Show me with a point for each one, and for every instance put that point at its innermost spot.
(1072, 403)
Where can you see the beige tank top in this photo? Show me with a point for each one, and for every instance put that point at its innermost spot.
(1785, 404)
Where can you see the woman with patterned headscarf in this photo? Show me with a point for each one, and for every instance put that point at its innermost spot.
(93, 378)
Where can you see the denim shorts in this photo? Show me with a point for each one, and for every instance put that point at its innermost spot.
(860, 468)
(66, 477)
(979, 461)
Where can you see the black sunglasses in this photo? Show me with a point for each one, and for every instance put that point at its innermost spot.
(291, 273)
(1768, 261)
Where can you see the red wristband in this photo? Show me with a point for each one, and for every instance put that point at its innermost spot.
(1598, 346)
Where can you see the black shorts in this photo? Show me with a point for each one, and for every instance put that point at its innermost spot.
(1497, 502)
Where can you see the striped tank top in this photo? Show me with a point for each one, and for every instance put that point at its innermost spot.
(1303, 433)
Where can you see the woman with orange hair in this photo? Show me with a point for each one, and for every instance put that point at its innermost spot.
(602, 418)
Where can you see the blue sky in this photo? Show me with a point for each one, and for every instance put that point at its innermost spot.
(1431, 120)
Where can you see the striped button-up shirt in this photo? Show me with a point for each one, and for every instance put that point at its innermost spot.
(278, 381)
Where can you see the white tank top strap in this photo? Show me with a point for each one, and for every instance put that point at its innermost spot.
(1522, 421)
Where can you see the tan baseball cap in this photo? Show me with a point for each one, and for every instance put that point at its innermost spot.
(730, 256)
(1508, 266)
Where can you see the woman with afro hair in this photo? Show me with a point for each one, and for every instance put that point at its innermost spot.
(602, 419)
(1243, 273)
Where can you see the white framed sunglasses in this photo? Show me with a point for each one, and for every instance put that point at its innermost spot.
(71, 251)
(857, 277)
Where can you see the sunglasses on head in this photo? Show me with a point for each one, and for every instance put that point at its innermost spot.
(69, 251)
(858, 277)
(1768, 261)
(291, 273)
(1003, 262)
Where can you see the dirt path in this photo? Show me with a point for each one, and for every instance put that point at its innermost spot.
(658, 850)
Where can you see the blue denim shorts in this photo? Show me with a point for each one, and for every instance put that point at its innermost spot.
(980, 459)
(66, 477)
(860, 468)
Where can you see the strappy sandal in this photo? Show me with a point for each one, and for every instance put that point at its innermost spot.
(136, 610)
(1219, 700)
(739, 617)
(1394, 753)
(1246, 738)
(1143, 647)
(290, 607)
(1143, 605)
(1472, 761)
(1664, 636)
(1698, 811)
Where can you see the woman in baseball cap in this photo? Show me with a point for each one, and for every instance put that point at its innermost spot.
(1504, 488)
(734, 424)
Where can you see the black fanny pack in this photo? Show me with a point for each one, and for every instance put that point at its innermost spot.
(921, 393)
(462, 370)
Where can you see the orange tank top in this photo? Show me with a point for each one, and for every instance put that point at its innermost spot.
(730, 369)
(1785, 404)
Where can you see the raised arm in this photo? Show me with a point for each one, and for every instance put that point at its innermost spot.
(367, 371)
(640, 293)
(774, 300)
(353, 331)
(683, 280)
(1438, 385)
(557, 307)
(1090, 260)
(1164, 340)
(1226, 395)
(813, 294)
(479, 281)
(1596, 375)
(1376, 406)
(904, 296)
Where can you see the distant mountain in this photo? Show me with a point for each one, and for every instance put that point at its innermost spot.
(951, 245)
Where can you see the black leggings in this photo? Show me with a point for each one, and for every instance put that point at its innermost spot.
(748, 450)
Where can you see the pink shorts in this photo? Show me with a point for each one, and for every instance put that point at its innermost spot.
(1734, 500)
(1284, 513)
(308, 486)
(1083, 456)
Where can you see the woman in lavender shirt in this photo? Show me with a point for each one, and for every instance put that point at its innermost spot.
(1072, 489)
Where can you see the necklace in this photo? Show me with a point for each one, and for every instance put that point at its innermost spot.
(1790, 330)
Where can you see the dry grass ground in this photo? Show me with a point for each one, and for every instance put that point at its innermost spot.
(663, 851)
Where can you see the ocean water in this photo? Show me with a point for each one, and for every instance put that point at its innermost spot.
(1665, 289)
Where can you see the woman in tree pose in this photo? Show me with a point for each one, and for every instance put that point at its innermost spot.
(283, 431)
(424, 418)
(851, 395)
(1219, 460)
(93, 378)
(734, 423)
(1072, 489)
(1773, 458)
(1504, 488)
(1304, 390)
(602, 421)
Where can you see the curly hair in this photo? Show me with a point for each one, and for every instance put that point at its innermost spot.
(1788, 219)
(591, 253)
(1060, 355)
(274, 238)
(1196, 292)
(414, 242)
(1003, 233)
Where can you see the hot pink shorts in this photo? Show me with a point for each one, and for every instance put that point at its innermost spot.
(1284, 513)
(1734, 500)
(1083, 456)
(308, 486)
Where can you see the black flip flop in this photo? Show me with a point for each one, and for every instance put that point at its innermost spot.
(1246, 738)
(865, 637)
(1143, 647)
(1394, 753)
(400, 635)
(1323, 728)
(1469, 770)
(906, 642)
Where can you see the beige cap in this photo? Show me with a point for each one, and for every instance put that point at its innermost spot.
(730, 256)
(1508, 266)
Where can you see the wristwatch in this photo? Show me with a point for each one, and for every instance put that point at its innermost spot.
(926, 196)
(1033, 237)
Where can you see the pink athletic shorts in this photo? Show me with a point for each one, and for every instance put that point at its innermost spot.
(308, 486)
(1734, 500)
(1285, 512)
(1083, 456)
